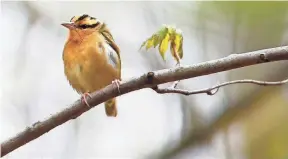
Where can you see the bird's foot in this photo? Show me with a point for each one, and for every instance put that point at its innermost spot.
(84, 99)
(117, 82)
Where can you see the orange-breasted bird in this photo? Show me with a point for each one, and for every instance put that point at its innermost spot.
(91, 58)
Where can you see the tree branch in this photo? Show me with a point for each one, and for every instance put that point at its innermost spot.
(209, 91)
(148, 80)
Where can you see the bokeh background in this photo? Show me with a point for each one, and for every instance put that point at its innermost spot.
(239, 122)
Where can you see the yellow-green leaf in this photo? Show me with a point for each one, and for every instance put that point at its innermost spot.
(156, 40)
(164, 46)
(177, 41)
(172, 50)
(162, 33)
(164, 36)
(150, 43)
(180, 51)
(143, 44)
(171, 30)
(176, 44)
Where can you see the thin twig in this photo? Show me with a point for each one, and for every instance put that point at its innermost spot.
(213, 90)
(147, 80)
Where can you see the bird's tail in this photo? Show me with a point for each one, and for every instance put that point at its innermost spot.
(110, 107)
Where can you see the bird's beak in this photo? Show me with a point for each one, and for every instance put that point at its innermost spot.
(69, 25)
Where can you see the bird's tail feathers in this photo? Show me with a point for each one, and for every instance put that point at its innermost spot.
(110, 107)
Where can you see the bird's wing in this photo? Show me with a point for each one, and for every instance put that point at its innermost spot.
(113, 50)
(112, 56)
(109, 38)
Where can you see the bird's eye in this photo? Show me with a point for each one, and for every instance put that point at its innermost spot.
(83, 26)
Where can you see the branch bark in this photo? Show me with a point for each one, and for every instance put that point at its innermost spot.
(209, 91)
(148, 80)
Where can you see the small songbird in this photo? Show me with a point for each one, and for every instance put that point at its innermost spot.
(91, 58)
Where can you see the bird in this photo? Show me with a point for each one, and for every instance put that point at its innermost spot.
(91, 58)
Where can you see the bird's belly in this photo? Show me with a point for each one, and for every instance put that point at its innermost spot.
(94, 76)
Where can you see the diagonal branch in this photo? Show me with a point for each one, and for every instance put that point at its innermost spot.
(148, 80)
(213, 90)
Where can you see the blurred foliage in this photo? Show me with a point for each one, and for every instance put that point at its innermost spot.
(256, 11)
(251, 26)
(162, 38)
(266, 126)
(263, 22)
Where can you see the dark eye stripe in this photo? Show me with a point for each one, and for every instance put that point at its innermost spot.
(95, 25)
(84, 26)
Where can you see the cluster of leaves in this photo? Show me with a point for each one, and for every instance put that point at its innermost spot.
(162, 38)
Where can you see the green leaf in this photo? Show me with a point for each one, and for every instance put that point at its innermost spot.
(179, 43)
(149, 43)
(180, 51)
(166, 35)
(156, 40)
(143, 44)
(162, 33)
(164, 46)
(172, 50)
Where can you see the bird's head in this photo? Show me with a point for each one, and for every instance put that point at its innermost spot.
(82, 25)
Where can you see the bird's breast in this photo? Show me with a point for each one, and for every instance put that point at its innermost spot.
(89, 68)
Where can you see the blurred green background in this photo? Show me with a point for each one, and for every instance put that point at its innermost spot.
(240, 121)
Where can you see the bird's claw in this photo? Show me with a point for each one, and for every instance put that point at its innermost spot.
(117, 82)
(83, 98)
